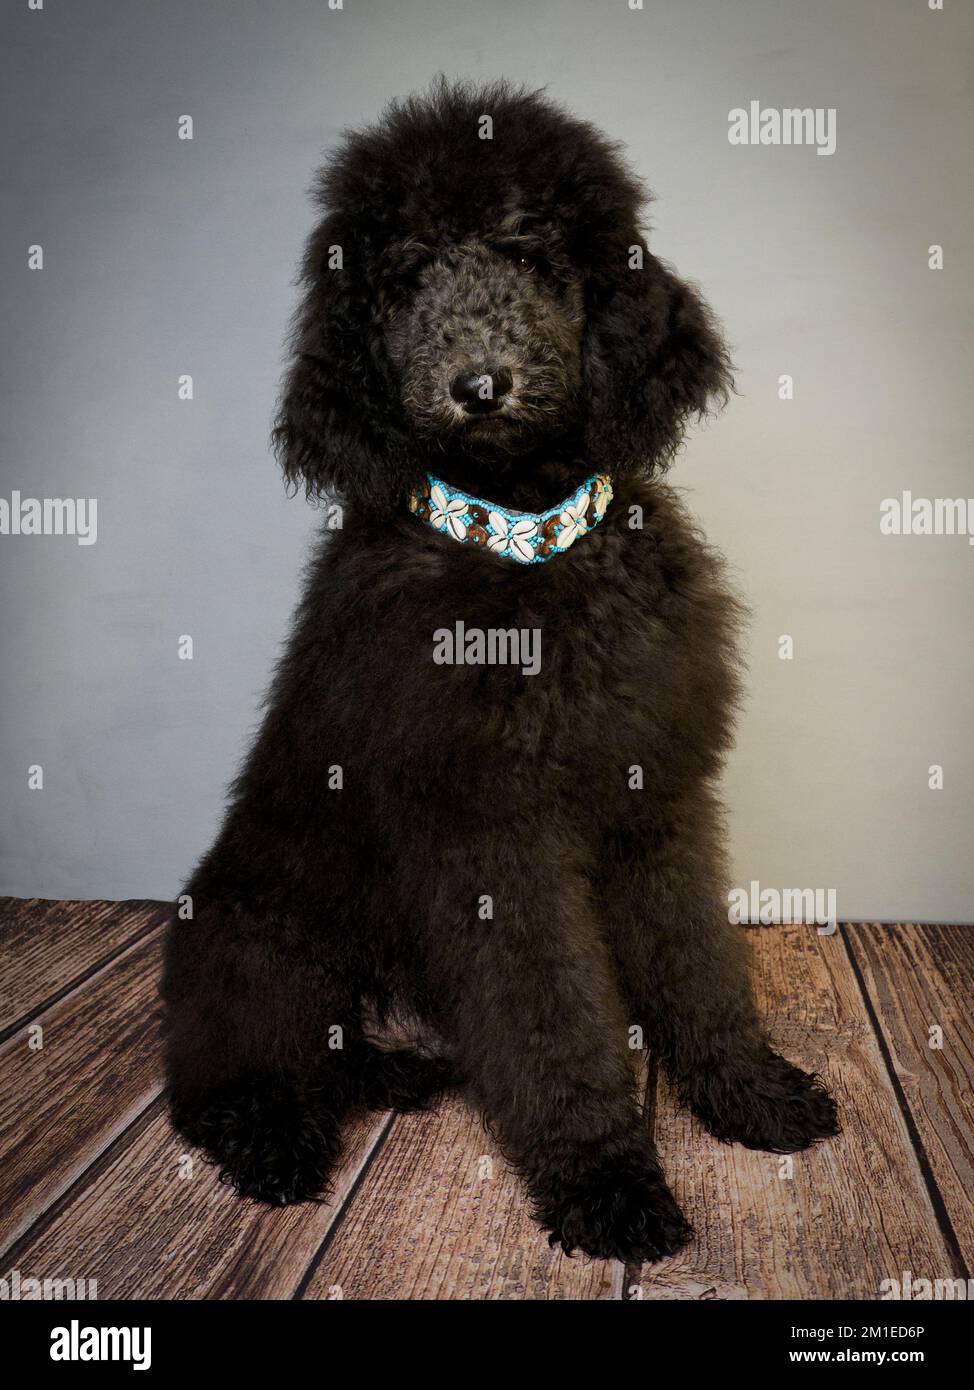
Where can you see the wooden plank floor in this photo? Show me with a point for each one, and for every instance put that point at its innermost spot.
(95, 1185)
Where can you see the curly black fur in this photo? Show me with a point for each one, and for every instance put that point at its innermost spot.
(405, 1081)
(387, 796)
(620, 1208)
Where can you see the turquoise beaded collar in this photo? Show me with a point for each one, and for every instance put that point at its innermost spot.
(529, 537)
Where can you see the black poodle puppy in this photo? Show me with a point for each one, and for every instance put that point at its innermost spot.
(482, 798)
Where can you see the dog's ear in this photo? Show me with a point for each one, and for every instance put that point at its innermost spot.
(337, 430)
(653, 359)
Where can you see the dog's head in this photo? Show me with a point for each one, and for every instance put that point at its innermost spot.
(478, 286)
(485, 337)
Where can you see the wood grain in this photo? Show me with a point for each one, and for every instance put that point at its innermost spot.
(63, 1103)
(156, 1223)
(922, 978)
(94, 1184)
(829, 1223)
(47, 946)
(441, 1216)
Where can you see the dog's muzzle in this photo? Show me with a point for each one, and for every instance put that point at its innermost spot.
(480, 393)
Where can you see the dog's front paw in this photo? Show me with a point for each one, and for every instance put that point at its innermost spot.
(776, 1107)
(271, 1142)
(621, 1210)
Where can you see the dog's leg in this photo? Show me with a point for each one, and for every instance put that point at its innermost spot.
(535, 1017)
(683, 968)
(262, 1050)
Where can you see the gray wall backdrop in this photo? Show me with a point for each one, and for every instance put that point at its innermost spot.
(164, 257)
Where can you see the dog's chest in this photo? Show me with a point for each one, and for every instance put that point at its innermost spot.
(471, 678)
(549, 676)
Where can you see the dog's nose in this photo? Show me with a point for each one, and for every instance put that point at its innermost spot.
(481, 392)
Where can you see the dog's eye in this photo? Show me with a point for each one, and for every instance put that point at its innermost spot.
(525, 258)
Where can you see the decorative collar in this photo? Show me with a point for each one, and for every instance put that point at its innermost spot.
(530, 537)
